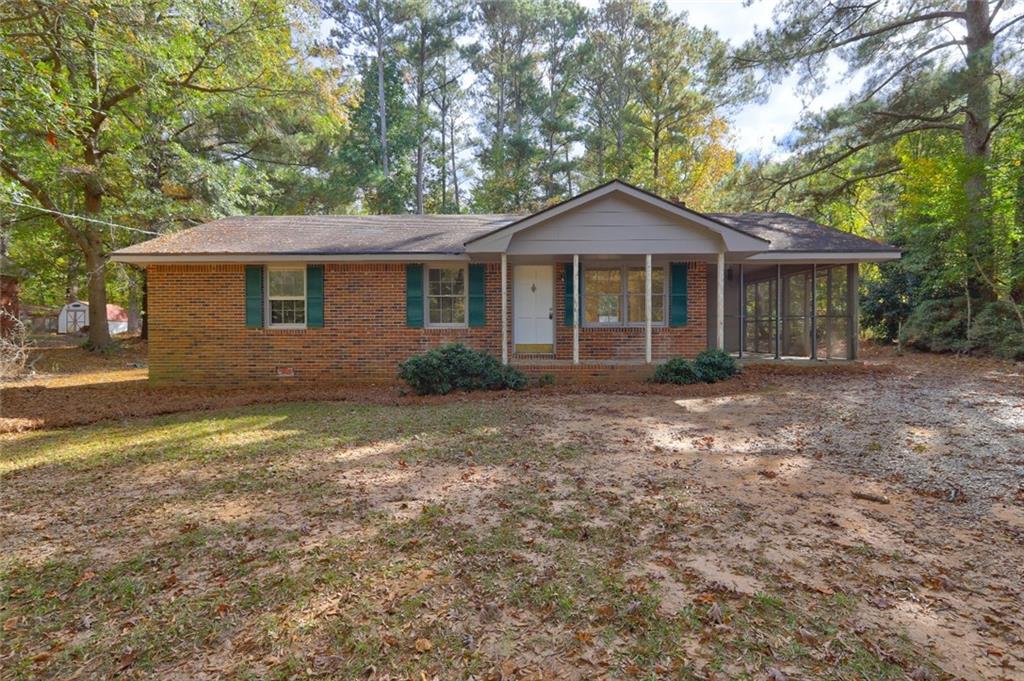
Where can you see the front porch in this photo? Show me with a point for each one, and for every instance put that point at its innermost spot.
(635, 311)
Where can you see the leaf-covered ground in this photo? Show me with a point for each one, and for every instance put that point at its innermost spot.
(531, 536)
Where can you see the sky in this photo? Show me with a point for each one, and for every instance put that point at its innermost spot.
(758, 128)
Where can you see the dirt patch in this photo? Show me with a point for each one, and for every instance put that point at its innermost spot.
(114, 385)
(684, 534)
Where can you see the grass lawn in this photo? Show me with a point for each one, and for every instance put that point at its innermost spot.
(573, 536)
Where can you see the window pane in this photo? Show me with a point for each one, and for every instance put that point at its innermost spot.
(838, 291)
(821, 292)
(602, 289)
(602, 281)
(796, 289)
(635, 280)
(287, 283)
(446, 295)
(287, 312)
(635, 309)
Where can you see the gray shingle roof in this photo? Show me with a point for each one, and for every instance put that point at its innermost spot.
(325, 235)
(438, 234)
(792, 233)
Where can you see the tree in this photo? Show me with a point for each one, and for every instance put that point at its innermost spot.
(98, 101)
(371, 25)
(931, 66)
(511, 97)
(560, 60)
(430, 34)
(612, 68)
(379, 192)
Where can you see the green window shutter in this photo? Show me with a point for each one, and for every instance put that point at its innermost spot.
(477, 307)
(254, 296)
(315, 296)
(568, 293)
(414, 296)
(679, 294)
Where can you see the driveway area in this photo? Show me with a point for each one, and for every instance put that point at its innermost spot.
(808, 524)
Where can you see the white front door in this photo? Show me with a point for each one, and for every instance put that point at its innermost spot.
(533, 300)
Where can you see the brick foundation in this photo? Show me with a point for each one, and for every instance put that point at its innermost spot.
(198, 333)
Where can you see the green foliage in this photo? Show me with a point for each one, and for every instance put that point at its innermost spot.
(942, 326)
(938, 326)
(676, 370)
(888, 299)
(710, 366)
(715, 365)
(155, 116)
(455, 367)
(997, 330)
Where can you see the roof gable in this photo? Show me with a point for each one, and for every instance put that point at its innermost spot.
(734, 239)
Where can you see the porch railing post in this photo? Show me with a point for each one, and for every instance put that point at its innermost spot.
(778, 312)
(814, 311)
(853, 309)
(742, 311)
(575, 309)
(720, 303)
(504, 308)
(647, 309)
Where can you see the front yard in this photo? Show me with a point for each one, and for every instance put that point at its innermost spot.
(537, 535)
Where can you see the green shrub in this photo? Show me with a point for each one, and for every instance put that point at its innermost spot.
(938, 326)
(941, 326)
(676, 370)
(710, 366)
(996, 330)
(456, 367)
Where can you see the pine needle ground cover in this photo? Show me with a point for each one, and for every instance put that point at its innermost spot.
(532, 536)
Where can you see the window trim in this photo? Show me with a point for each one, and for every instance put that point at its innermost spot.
(267, 298)
(624, 295)
(427, 324)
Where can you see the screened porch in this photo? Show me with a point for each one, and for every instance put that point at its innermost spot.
(791, 311)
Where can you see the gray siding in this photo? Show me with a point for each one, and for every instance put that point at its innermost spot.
(615, 225)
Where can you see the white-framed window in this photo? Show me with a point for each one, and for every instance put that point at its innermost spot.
(447, 295)
(286, 296)
(615, 296)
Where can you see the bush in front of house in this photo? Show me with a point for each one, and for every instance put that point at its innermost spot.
(677, 370)
(715, 365)
(710, 366)
(455, 367)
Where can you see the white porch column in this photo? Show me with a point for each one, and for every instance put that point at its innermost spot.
(720, 303)
(647, 309)
(504, 308)
(575, 309)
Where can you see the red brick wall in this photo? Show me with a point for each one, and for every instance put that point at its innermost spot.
(198, 333)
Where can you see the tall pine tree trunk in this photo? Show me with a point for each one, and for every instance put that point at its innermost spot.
(977, 131)
(382, 106)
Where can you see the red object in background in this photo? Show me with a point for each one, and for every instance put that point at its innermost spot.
(8, 303)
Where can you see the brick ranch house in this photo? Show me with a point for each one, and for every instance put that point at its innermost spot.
(613, 278)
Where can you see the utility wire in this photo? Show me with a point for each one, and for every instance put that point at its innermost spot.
(79, 217)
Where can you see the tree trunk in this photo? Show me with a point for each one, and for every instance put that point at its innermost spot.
(976, 132)
(455, 168)
(99, 333)
(381, 106)
(421, 98)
